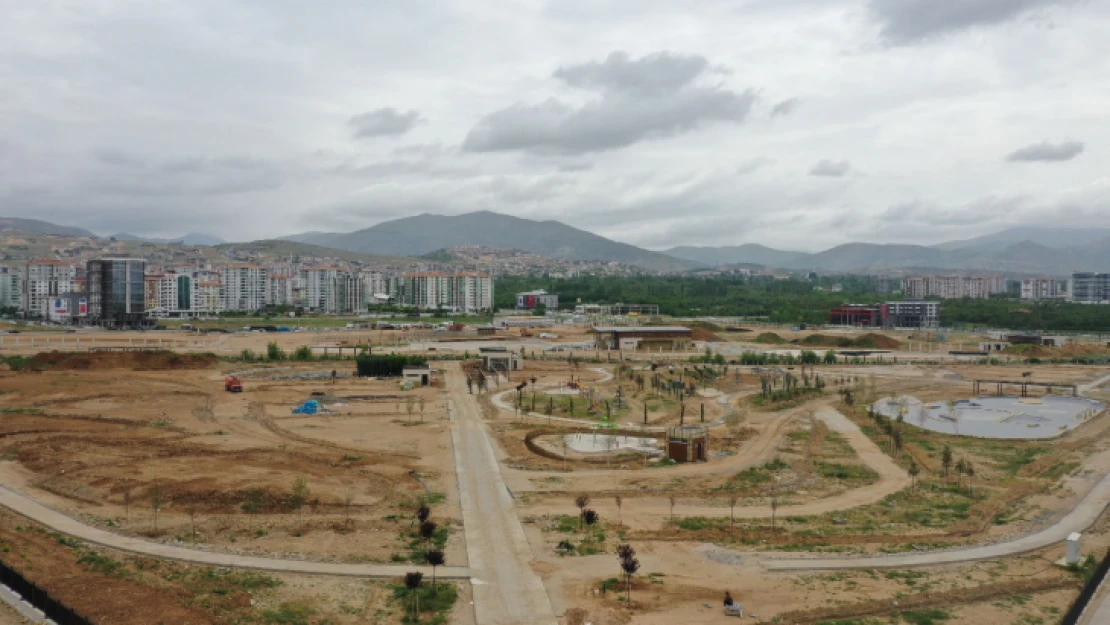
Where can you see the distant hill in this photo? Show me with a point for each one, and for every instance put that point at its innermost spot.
(423, 234)
(1047, 237)
(36, 226)
(746, 254)
(193, 238)
(282, 248)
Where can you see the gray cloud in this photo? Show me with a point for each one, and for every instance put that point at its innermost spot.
(831, 169)
(659, 73)
(383, 122)
(650, 98)
(909, 21)
(752, 165)
(785, 107)
(1048, 152)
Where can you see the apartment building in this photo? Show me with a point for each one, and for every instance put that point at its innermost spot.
(376, 287)
(44, 279)
(1043, 288)
(461, 292)
(117, 291)
(953, 287)
(11, 288)
(331, 290)
(245, 287)
(208, 297)
(1089, 288)
(280, 290)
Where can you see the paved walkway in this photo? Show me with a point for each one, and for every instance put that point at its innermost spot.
(1078, 520)
(67, 525)
(506, 589)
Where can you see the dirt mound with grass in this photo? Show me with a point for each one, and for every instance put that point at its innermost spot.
(770, 338)
(866, 341)
(703, 334)
(134, 361)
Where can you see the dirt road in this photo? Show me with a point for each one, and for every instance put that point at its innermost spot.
(67, 525)
(506, 589)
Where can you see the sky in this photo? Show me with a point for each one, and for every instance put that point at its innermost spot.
(799, 125)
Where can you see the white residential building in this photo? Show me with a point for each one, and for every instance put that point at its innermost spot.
(461, 292)
(331, 290)
(281, 290)
(375, 287)
(245, 287)
(953, 287)
(44, 279)
(208, 297)
(1043, 288)
(1089, 288)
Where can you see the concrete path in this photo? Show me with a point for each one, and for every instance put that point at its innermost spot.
(67, 525)
(1078, 520)
(506, 589)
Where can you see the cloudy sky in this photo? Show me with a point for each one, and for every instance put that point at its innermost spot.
(799, 124)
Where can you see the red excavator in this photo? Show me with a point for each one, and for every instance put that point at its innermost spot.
(233, 384)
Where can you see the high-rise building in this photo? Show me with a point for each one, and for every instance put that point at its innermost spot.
(1089, 288)
(117, 291)
(331, 290)
(375, 287)
(280, 290)
(46, 279)
(208, 297)
(245, 287)
(1043, 288)
(11, 288)
(459, 292)
(954, 287)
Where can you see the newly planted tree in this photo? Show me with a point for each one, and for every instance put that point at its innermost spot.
(629, 566)
(428, 530)
(946, 460)
(298, 496)
(423, 513)
(914, 471)
(619, 502)
(581, 501)
(590, 517)
(733, 499)
(412, 583)
(434, 558)
(156, 502)
(671, 499)
(252, 505)
(192, 512)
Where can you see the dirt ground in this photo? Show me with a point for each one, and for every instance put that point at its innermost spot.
(102, 437)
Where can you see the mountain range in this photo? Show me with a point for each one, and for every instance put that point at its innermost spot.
(421, 234)
(191, 239)
(1020, 250)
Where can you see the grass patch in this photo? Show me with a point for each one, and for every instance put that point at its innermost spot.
(434, 604)
(847, 472)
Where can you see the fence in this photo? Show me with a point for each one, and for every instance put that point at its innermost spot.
(55, 610)
(1088, 592)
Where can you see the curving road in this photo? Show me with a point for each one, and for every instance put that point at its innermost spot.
(67, 525)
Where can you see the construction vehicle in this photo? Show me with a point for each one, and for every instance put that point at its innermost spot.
(233, 384)
(525, 332)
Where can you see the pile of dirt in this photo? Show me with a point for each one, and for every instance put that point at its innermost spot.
(134, 361)
(703, 334)
(866, 341)
(770, 338)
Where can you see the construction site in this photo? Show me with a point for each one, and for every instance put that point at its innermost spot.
(257, 478)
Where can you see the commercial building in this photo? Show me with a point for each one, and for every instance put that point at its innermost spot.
(45, 279)
(1043, 288)
(331, 290)
(1089, 288)
(66, 308)
(534, 299)
(610, 310)
(648, 338)
(858, 315)
(953, 287)
(245, 287)
(116, 291)
(921, 315)
(456, 292)
(11, 288)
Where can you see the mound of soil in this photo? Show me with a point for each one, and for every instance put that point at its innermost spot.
(134, 361)
(770, 338)
(703, 334)
(866, 341)
(877, 341)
